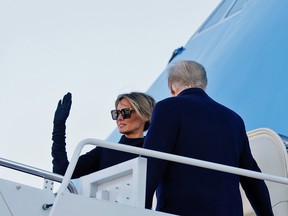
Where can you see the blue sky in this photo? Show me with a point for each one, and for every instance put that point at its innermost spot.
(94, 49)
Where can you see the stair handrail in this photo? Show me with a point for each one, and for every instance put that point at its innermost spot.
(159, 155)
(37, 172)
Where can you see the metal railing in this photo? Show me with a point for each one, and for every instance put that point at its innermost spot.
(159, 155)
(37, 172)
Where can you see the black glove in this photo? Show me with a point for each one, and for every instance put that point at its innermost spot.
(63, 109)
(60, 161)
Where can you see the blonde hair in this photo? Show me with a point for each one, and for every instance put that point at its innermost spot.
(142, 103)
(188, 73)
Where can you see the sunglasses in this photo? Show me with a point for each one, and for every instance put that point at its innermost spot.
(126, 113)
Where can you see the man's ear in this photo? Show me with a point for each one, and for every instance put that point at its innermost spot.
(173, 89)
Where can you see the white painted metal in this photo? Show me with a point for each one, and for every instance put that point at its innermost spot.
(18, 199)
(48, 184)
(75, 205)
(117, 190)
(165, 156)
(161, 155)
(123, 183)
(270, 153)
(36, 172)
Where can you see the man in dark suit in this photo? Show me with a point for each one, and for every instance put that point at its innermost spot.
(191, 124)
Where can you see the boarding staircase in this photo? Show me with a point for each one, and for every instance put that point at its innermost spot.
(120, 190)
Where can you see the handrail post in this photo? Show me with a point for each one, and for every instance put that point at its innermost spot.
(69, 172)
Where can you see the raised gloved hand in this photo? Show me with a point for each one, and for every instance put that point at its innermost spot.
(63, 109)
(60, 161)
